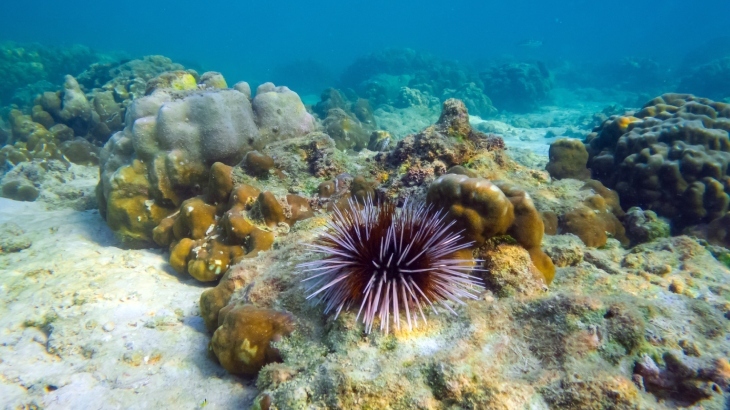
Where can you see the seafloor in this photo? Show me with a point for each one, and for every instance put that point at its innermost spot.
(95, 317)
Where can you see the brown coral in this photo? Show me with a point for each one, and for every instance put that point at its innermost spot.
(484, 211)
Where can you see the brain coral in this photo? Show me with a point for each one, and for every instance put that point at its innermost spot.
(170, 139)
(672, 157)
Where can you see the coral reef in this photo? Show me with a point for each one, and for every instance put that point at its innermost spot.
(518, 87)
(406, 67)
(232, 221)
(25, 64)
(420, 158)
(671, 157)
(68, 125)
(474, 98)
(711, 80)
(406, 78)
(158, 161)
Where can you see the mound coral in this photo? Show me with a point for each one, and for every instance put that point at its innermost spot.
(672, 157)
(483, 210)
(381, 259)
(348, 123)
(568, 159)
(163, 155)
(242, 343)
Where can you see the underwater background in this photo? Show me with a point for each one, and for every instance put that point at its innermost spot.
(253, 40)
(365, 205)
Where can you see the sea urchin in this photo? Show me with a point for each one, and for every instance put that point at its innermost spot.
(384, 260)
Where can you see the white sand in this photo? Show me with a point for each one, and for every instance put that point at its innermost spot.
(87, 325)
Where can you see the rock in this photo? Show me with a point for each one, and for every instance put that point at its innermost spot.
(13, 238)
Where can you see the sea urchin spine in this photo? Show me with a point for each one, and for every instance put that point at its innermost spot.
(384, 259)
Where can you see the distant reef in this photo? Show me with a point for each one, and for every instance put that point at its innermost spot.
(28, 69)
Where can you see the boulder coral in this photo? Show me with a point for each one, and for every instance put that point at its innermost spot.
(350, 124)
(243, 342)
(595, 219)
(33, 141)
(486, 209)
(671, 157)
(171, 138)
(568, 159)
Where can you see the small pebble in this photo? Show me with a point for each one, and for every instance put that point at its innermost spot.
(108, 326)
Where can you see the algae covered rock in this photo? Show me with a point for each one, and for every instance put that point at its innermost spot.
(564, 250)
(510, 272)
(644, 226)
(20, 190)
(243, 342)
(422, 157)
(13, 238)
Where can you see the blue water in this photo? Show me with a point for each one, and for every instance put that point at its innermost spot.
(247, 40)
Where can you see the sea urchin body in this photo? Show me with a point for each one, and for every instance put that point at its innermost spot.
(386, 260)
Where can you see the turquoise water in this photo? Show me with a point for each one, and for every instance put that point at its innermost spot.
(249, 40)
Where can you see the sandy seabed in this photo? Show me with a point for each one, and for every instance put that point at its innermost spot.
(85, 324)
